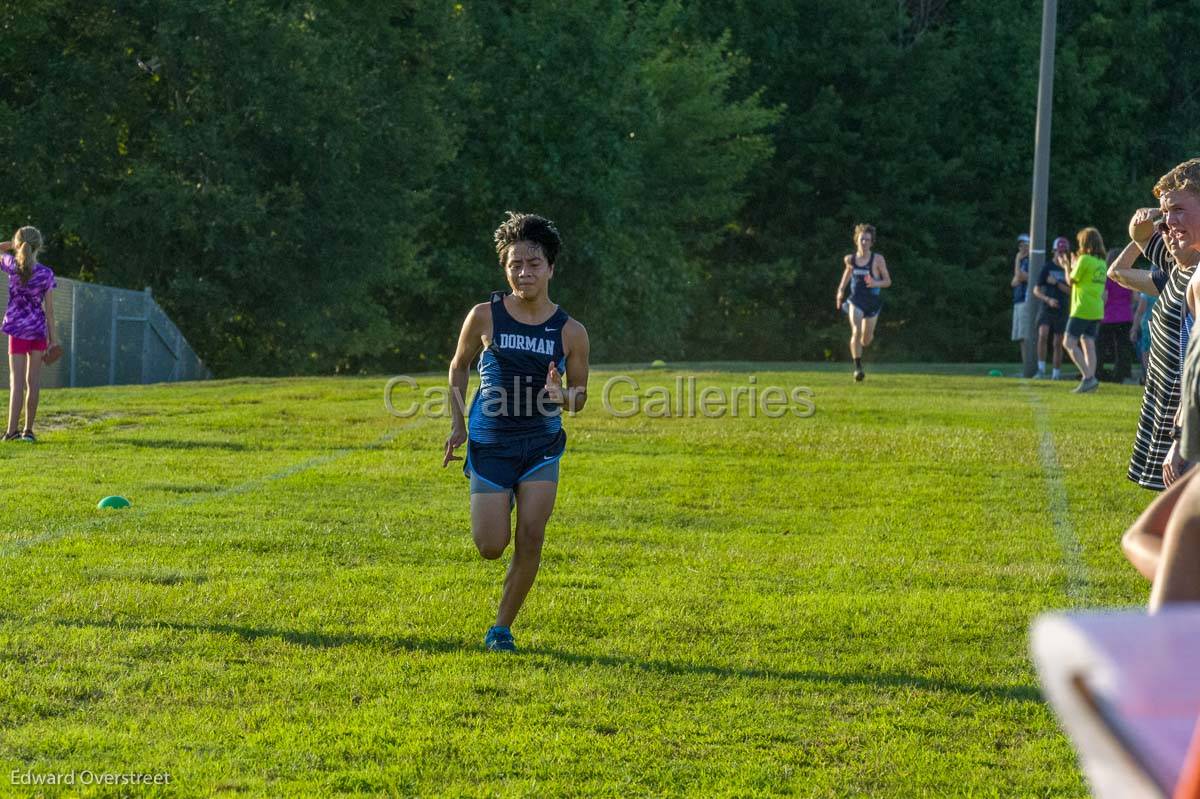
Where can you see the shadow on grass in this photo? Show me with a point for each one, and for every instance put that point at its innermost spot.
(170, 443)
(1015, 693)
(311, 640)
(194, 488)
(393, 643)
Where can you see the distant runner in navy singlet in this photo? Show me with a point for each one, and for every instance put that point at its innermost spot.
(865, 273)
(513, 433)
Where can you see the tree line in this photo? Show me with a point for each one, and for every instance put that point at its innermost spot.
(310, 187)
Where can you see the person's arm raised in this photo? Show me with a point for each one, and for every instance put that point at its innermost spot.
(1122, 271)
(1019, 276)
(1141, 226)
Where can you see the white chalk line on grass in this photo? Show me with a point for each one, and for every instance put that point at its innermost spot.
(20, 545)
(1056, 495)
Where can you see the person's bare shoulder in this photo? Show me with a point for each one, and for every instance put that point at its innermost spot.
(480, 314)
(574, 333)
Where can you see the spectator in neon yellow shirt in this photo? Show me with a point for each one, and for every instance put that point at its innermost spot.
(1087, 276)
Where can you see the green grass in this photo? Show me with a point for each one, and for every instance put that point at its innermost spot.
(831, 606)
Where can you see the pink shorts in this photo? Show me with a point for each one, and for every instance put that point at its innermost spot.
(24, 346)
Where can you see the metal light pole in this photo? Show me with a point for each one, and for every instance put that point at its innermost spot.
(1041, 183)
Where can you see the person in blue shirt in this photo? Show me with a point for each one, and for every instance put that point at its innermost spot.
(525, 344)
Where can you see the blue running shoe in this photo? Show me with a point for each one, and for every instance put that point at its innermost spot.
(499, 639)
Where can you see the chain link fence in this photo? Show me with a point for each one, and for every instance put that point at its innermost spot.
(114, 336)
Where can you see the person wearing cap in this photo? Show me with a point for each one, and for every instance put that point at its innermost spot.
(1020, 281)
(1055, 293)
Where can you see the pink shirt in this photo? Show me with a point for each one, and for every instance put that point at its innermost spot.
(1118, 303)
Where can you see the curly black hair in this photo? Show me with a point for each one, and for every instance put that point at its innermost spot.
(527, 227)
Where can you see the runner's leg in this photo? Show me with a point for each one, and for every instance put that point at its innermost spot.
(535, 503)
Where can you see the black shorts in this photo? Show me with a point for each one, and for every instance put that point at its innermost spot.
(1057, 322)
(504, 464)
(1083, 327)
(870, 304)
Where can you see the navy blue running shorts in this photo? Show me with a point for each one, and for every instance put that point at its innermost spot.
(501, 466)
(869, 304)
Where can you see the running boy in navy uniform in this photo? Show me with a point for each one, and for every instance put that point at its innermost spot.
(515, 438)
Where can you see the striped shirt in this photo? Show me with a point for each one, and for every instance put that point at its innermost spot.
(1161, 399)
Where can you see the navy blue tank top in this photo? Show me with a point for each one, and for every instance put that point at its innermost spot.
(512, 372)
(858, 279)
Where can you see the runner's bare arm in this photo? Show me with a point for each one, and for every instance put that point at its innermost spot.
(885, 278)
(470, 341)
(845, 281)
(578, 351)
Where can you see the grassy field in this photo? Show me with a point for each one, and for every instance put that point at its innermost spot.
(825, 606)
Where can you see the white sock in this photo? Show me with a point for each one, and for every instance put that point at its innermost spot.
(1057, 373)
(1041, 366)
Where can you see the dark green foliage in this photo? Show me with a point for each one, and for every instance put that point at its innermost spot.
(919, 117)
(265, 167)
(603, 117)
(311, 187)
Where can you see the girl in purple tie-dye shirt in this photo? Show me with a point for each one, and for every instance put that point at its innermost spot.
(29, 323)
